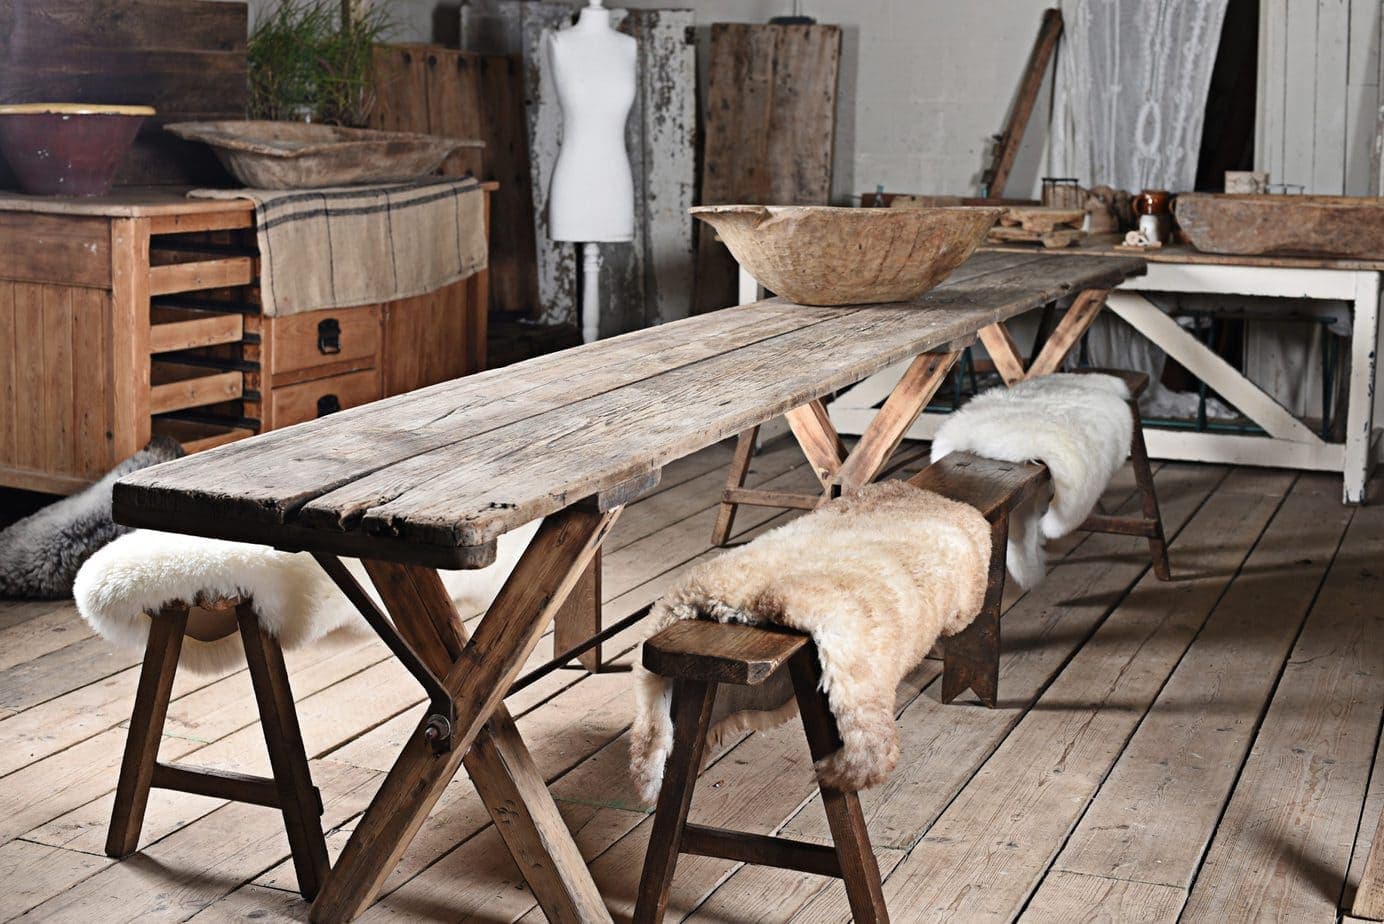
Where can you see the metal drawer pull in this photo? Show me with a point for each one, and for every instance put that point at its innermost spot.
(329, 336)
(328, 404)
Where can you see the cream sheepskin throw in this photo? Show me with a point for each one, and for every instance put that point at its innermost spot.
(134, 576)
(873, 577)
(1079, 426)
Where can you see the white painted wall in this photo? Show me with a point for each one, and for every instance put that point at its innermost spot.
(1319, 93)
(924, 83)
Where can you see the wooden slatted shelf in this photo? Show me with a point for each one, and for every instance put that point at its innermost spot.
(222, 273)
(195, 436)
(178, 386)
(186, 329)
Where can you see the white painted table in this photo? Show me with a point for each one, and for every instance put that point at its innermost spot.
(1288, 443)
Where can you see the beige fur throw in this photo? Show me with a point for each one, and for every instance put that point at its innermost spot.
(873, 577)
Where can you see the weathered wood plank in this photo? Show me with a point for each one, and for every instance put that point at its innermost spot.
(770, 130)
(614, 435)
(1078, 896)
(1284, 844)
(1014, 814)
(1157, 811)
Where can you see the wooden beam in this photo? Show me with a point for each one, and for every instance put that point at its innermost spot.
(1004, 352)
(477, 680)
(1069, 330)
(1049, 31)
(818, 438)
(877, 444)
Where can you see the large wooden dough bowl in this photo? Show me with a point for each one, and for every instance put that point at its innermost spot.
(1323, 226)
(818, 255)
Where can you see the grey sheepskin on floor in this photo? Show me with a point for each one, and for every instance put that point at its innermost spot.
(41, 554)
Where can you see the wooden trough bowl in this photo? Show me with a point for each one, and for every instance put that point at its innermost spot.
(818, 255)
(302, 155)
(1320, 226)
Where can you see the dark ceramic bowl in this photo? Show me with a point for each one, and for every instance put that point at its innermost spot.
(67, 149)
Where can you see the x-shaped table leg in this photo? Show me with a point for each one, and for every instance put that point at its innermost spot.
(839, 471)
(477, 673)
(1005, 353)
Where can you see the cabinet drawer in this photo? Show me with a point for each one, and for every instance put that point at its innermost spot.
(293, 404)
(341, 338)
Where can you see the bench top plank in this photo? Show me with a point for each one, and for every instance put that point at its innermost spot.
(433, 475)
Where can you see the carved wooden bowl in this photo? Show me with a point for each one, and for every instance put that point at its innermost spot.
(1322, 226)
(818, 255)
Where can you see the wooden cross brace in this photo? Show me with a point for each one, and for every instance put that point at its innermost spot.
(842, 471)
(476, 673)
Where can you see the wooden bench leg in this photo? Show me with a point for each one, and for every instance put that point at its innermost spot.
(1143, 477)
(971, 657)
(146, 728)
(692, 702)
(580, 617)
(298, 799)
(735, 478)
(859, 870)
(477, 682)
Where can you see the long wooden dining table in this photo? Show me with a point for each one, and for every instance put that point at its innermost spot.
(430, 479)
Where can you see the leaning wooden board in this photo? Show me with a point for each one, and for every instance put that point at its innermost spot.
(770, 131)
(186, 58)
(434, 476)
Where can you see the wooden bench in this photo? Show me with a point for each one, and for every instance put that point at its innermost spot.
(698, 656)
(971, 657)
(290, 790)
(1150, 523)
(432, 478)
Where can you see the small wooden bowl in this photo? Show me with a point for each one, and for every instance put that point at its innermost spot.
(68, 149)
(819, 255)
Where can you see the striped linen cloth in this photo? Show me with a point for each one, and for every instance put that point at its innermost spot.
(361, 245)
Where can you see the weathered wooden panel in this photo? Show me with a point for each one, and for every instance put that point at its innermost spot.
(186, 58)
(1319, 93)
(55, 400)
(667, 89)
(770, 131)
(426, 88)
(426, 339)
(9, 347)
(58, 249)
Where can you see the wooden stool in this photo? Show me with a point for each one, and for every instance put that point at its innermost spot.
(290, 790)
(1150, 524)
(971, 657)
(697, 655)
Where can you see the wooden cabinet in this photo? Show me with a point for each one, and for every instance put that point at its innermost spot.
(137, 314)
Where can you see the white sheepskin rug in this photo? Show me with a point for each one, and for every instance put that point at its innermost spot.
(136, 575)
(1079, 426)
(873, 577)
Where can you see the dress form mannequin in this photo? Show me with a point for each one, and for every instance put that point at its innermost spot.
(592, 196)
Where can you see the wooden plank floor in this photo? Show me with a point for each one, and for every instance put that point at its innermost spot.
(1203, 750)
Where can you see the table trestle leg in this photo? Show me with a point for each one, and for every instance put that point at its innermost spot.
(478, 673)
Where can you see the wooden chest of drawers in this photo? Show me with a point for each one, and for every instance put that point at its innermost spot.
(137, 314)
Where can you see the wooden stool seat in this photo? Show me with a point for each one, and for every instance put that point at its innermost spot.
(289, 790)
(697, 655)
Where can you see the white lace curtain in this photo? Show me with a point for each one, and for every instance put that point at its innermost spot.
(1130, 96)
(1132, 78)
